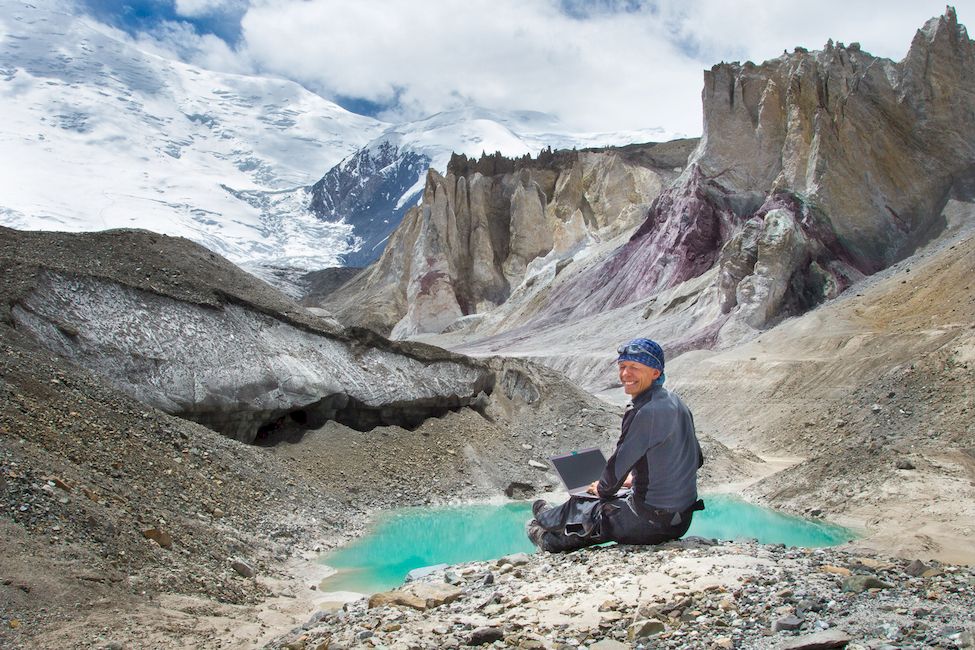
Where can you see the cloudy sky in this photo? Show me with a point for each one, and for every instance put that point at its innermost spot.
(599, 65)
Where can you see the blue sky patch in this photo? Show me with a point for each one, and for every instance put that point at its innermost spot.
(134, 16)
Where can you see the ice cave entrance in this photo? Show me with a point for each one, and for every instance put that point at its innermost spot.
(406, 539)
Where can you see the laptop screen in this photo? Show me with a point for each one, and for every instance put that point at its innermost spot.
(579, 468)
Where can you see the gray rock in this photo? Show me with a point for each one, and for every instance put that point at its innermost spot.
(609, 644)
(644, 628)
(243, 568)
(485, 635)
(515, 559)
(422, 571)
(452, 578)
(818, 641)
(806, 605)
(860, 583)
(916, 568)
(789, 622)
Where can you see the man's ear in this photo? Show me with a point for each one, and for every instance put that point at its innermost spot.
(656, 373)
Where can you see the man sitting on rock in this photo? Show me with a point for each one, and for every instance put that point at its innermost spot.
(657, 455)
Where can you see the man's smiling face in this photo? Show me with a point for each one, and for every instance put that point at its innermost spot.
(636, 377)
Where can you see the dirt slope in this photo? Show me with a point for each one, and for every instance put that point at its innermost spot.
(876, 390)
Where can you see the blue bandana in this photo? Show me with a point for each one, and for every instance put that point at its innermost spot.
(646, 352)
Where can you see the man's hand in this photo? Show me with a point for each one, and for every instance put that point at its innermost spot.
(628, 483)
(592, 487)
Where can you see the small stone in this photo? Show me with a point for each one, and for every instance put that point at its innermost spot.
(818, 641)
(859, 584)
(452, 578)
(837, 570)
(916, 568)
(609, 644)
(641, 629)
(789, 622)
(515, 559)
(727, 604)
(485, 635)
(243, 569)
(873, 564)
(422, 571)
(160, 537)
(806, 605)
(609, 606)
(13, 624)
(536, 464)
(723, 642)
(903, 463)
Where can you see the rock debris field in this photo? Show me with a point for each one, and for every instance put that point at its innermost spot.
(694, 593)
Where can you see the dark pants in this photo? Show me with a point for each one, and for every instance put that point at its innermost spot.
(582, 522)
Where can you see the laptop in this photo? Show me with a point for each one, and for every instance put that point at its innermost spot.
(578, 469)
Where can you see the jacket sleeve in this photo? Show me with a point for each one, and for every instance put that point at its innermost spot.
(649, 428)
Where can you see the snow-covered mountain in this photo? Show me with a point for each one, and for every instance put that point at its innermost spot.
(97, 133)
(372, 189)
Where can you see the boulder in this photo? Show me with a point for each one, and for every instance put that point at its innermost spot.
(420, 596)
(485, 635)
(644, 628)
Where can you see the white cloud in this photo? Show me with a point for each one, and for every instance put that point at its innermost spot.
(758, 30)
(198, 8)
(607, 72)
(179, 41)
(604, 73)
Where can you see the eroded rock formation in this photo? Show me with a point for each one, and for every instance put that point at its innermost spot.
(815, 169)
(233, 360)
(475, 238)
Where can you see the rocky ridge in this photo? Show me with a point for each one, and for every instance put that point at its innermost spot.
(370, 191)
(688, 594)
(815, 170)
(476, 237)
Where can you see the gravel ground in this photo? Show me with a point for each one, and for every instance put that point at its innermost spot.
(690, 594)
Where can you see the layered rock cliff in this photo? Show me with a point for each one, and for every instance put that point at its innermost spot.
(815, 169)
(489, 225)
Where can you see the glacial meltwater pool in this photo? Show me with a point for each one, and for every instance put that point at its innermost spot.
(402, 540)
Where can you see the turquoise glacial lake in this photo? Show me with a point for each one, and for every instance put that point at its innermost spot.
(402, 540)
